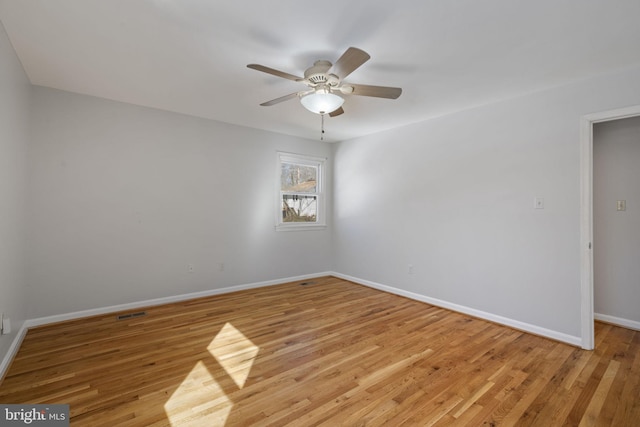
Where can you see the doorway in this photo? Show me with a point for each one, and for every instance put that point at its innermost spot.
(616, 221)
(586, 216)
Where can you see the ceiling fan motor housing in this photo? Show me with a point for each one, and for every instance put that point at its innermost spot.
(317, 74)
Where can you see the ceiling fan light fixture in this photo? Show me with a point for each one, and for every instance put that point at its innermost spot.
(321, 101)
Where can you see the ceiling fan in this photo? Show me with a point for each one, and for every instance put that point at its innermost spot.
(325, 83)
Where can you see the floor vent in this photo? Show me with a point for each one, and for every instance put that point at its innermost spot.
(132, 315)
(307, 283)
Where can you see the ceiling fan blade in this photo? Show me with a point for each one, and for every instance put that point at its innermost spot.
(274, 72)
(349, 61)
(281, 99)
(377, 91)
(336, 112)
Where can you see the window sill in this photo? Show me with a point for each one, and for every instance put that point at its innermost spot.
(301, 227)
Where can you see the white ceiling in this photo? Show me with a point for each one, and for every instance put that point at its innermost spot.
(190, 56)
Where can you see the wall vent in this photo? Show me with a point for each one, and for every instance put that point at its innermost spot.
(132, 315)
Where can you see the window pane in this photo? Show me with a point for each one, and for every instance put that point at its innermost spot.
(299, 208)
(297, 178)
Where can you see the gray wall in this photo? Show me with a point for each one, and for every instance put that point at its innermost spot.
(14, 114)
(454, 197)
(123, 198)
(616, 176)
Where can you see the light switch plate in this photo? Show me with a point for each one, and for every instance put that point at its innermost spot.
(538, 203)
(621, 205)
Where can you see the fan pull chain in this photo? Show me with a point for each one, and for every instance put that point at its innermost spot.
(321, 127)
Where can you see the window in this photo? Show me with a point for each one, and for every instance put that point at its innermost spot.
(300, 192)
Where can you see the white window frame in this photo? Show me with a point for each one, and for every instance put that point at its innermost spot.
(320, 163)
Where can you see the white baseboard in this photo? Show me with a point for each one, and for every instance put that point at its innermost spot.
(15, 345)
(526, 327)
(13, 349)
(625, 323)
(166, 300)
(569, 339)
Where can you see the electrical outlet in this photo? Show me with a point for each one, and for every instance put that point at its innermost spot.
(6, 326)
(221, 266)
(410, 269)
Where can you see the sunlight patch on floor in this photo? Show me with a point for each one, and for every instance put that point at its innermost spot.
(234, 352)
(199, 400)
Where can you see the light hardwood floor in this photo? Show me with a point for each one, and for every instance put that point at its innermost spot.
(327, 353)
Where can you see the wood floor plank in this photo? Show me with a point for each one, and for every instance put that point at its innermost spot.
(626, 411)
(595, 405)
(327, 353)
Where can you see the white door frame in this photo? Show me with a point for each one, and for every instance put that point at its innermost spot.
(586, 214)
